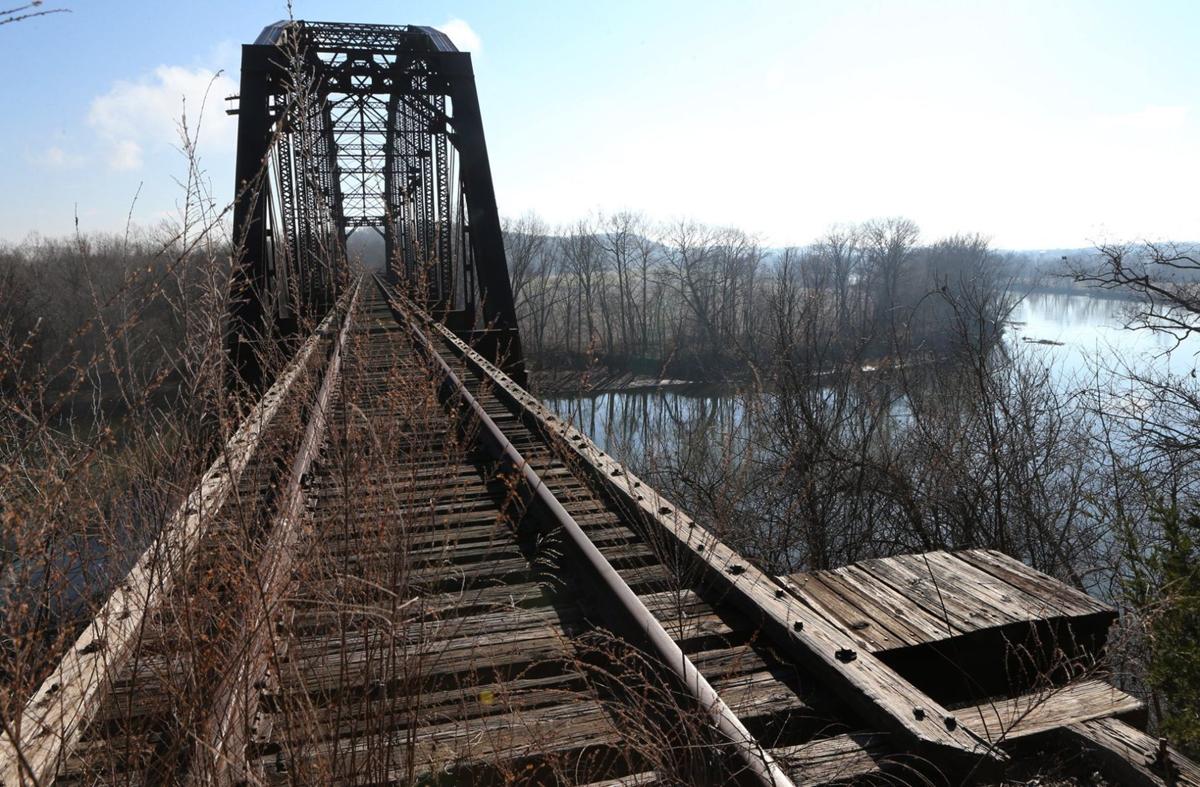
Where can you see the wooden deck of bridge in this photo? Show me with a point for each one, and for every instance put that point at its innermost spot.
(433, 630)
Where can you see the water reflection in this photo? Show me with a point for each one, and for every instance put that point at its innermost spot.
(1090, 337)
(1081, 338)
(627, 425)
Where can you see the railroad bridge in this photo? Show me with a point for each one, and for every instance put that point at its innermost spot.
(403, 568)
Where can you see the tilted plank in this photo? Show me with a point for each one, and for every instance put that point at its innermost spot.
(1017, 602)
(1133, 757)
(934, 597)
(1038, 712)
(871, 633)
(1068, 600)
(903, 615)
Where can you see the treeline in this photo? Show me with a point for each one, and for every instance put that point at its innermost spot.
(825, 458)
(107, 320)
(691, 299)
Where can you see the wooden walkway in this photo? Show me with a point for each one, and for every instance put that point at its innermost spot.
(407, 609)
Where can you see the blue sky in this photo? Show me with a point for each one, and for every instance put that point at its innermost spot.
(1040, 124)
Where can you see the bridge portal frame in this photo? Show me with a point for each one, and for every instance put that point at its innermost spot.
(418, 172)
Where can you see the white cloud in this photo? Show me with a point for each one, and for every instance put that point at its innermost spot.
(125, 155)
(133, 117)
(463, 35)
(55, 157)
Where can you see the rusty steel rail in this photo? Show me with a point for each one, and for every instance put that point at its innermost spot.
(758, 761)
(860, 679)
(33, 746)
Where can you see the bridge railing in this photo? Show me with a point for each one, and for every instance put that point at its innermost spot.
(36, 743)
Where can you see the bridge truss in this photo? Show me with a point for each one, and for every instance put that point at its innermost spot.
(363, 128)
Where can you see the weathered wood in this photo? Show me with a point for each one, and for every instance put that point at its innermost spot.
(1069, 601)
(955, 616)
(603, 578)
(870, 634)
(1133, 757)
(1042, 711)
(415, 639)
(220, 755)
(907, 619)
(33, 746)
(841, 758)
(912, 600)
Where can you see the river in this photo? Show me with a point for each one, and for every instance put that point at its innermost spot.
(1080, 337)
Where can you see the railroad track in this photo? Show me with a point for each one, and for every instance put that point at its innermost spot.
(416, 573)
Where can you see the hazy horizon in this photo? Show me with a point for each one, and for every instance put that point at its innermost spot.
(1039, 126)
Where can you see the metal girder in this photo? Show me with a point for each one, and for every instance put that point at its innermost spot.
(347, 126)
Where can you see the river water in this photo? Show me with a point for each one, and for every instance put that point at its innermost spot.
(1082, 338)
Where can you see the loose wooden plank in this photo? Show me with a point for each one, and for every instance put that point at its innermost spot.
(1039, 712)
(870, 633)
(956, 617)
(1132, 756)
(907, 618)
(1018, 603)
(989, 608)
(1070, 601)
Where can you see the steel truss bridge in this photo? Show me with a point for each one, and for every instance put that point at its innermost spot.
(403, 568)
(344, 128)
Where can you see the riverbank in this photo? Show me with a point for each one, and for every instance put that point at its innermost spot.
(573, 382)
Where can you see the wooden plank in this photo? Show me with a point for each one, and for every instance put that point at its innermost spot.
(825, 596)
(417, 632)
(429, 706)
(1019, 603)
(1133, 757)
(357, 667)
(1038, 712)
(537, 732)
(840, 758)
(1070, 601)
(33, 746)
(310, 612)
(840, 614)
(759, 694)
(991, 607)
(941, 600)
(911, 621)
